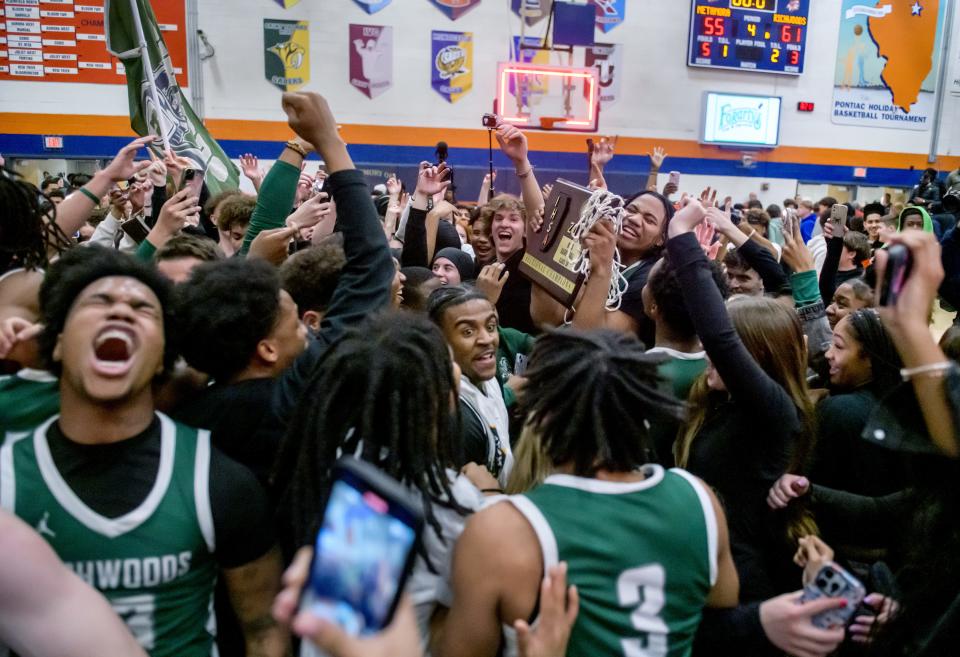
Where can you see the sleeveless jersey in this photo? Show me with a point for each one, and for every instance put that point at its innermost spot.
(154, 564)
(27, 399)
(643, 556)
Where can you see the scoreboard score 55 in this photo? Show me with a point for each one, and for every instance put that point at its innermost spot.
(749, 35)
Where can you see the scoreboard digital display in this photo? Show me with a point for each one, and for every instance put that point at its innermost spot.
(749, 35)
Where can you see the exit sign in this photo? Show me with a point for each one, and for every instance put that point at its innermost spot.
(51, 143)
(804, 106)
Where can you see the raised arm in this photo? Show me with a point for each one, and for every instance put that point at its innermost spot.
(364, 284)
(828, 274)
(513, 143)
(76, 208)
(744, 379)
(278, 191)
(416, 244)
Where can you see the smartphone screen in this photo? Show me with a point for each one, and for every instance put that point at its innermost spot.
(361, 557)
(192, 178)
(674, 178)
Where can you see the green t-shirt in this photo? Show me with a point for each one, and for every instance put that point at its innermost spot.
(27, 398)
(643, 556)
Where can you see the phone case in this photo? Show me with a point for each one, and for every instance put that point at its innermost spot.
(403, 503)
(834, 582)
(136, 229)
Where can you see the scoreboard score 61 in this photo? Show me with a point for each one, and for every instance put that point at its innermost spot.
(749, 35)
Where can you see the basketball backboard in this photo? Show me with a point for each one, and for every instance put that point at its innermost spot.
(544, 97)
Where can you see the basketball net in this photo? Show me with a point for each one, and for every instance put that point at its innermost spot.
(602, 204)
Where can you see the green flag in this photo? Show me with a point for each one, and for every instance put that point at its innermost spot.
(157, 105)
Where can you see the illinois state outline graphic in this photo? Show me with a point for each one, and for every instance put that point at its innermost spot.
(905, 35)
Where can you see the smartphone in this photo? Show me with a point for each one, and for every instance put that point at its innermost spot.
(192, 178)
(364, 550)
(318, 185)
(834, 582)
(899, 264)
(675, 178)
(136, 229)
(789, 220)
(838, 217)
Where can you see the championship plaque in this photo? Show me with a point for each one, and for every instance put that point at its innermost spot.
(552, 251)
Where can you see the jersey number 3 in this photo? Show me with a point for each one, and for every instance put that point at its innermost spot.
(642, 588)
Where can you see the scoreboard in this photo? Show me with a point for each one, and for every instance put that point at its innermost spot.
(749, 35)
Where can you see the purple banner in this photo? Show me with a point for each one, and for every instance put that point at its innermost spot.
(371, 58)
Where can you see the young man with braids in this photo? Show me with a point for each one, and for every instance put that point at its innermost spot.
(646, 548)
(140, 507)
(385, 392)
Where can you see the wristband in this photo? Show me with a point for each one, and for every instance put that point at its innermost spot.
(90, 195)
(933, 370)
(525, 173)
(297, 148)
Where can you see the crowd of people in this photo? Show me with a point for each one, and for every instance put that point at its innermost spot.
(662, 475)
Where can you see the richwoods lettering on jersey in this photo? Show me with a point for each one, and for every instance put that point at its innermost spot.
(109, 574)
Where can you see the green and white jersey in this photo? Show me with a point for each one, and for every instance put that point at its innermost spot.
(27, 399)
(154, 564)
(643, 556)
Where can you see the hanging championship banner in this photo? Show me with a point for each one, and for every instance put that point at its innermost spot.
(531, 11)
(286, 53)
(452, 70)
(608, 59)
(610, 13)
(371, 58)
(286, 4)
(883, 78)
(454, 9)
(373, 6)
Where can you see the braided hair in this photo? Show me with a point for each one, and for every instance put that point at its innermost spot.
(384, 393)
(27, 228)
(589, 396)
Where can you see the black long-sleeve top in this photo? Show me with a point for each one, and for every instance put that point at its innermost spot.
(415, 239)
(363, 287)
(762, 261)
(747, 437)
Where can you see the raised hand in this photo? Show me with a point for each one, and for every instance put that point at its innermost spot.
(157, 171)
(176, 165)
(559, 607)
(311, 212)
(272, 245)
(796, 255)
(250, 166)
(309, 115)
(177, 212)
(601, 242)
(393, 187)
(603, 152)
(705, 233)
(657, 157)
(512, 142)
(491, 280)
(124, 164)
(432, 180)
(686, 218)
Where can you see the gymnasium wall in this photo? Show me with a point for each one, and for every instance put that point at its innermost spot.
(659, 100)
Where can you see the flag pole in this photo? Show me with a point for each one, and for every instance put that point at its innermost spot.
(145, 54)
